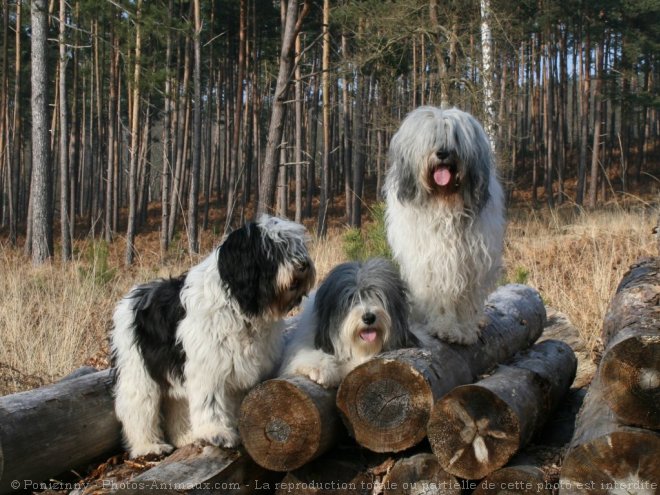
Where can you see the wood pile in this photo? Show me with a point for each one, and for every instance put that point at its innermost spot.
(500, 416)
(616, 446)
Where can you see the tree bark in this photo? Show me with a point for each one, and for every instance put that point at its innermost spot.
(630, 368)
(475, 429)
(487, 71)
(196, 469)
(234, 157)
(135, 138)
(65, 226)
(46, 431)
(324, 199)
(193, 197)
(41, 191)
(299, 134)
(605, 457)
(598, 110)
(386, 402)
(286, 422)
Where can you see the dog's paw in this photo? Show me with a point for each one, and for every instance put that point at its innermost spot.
(151, 448)
(328, 377)
(219, 436)
(461, 334)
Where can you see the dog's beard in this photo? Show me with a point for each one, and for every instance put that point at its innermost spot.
(361, 339)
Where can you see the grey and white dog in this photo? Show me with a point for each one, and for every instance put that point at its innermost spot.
(445, 219)
(359, 310)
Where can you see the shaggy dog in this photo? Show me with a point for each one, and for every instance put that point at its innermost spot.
(187, 349)
(445, 219)
(359, 310)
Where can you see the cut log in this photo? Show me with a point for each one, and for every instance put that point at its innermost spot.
(195, 469)
(386, 402)
(515, 480)
(286, 422)
(420, 473)
(328, 476)
(630, 368)
(46, 431)
(605, 457)
(475, 429)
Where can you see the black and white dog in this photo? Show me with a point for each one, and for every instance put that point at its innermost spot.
(359, 310)
(445, 219)
(187, 349)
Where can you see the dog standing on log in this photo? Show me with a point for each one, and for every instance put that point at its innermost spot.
(359, 310)
(187, 349)
(445, 219)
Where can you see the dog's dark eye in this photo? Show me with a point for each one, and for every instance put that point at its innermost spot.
(295, 285)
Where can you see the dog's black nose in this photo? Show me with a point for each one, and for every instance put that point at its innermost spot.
(442, 154)
(368, 318)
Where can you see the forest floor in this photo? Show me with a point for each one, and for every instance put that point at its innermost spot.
(56, 318)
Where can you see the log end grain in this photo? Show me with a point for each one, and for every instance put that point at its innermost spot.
(285, 423)
(473, 432)
(514, 480)
(630, 377)
(619, 462)
(419, 474)
(385, 405)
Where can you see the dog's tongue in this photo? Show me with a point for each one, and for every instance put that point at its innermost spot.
(368, 335)
(442, 176)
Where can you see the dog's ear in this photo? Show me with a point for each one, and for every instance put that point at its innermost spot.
(248, 268)
(401, 178)
(481, 163)
(398, 304)
(332, 303)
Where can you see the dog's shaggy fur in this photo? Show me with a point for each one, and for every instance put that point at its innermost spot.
(359, 310)
(445, 219)
(187, 349)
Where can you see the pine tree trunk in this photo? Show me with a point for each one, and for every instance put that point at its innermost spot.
(322, 225)
(41, 191)
(15, 160)
(111, 128)
(193, 208)
(65, 228)
(598, 111)
(166, 174)
(135, 138)
(292, 26)
(299, 133)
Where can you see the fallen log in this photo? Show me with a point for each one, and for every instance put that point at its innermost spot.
(386, 402)
(199, 469)
(286, 422)
(46, 431)
(475, 429)
(606, 457)
(420, 473)
(515, 480)
(328, 476)
(630, 368)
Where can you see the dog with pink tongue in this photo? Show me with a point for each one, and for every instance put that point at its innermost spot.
(360, 310)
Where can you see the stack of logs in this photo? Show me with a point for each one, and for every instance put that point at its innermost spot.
(435, 420)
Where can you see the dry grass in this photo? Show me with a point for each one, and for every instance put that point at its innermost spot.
(576, 261)
(55, 318)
